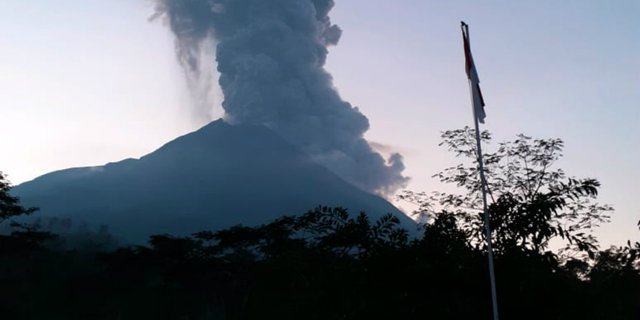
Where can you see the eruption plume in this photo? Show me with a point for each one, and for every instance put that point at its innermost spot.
(270, 58)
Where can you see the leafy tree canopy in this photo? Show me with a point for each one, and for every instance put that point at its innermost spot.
(9, 205)
(531, 201)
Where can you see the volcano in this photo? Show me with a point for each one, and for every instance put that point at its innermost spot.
(216, 177)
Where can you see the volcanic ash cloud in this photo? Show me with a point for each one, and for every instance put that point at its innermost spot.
(270, 55)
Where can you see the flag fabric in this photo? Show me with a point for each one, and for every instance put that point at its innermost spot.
(472, 74)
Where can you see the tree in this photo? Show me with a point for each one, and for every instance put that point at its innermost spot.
(530, 201)
(23, 237)
(9, 205)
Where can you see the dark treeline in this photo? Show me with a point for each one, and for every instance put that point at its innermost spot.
(321, 265)
(328, 264)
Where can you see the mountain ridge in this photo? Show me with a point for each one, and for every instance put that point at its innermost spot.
(215, 177)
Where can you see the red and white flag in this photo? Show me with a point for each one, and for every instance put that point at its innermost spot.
(474, 81)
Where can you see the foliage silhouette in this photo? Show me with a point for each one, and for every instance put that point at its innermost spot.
(324, 264)
(9, 205)
(531, 202)
(22, 236)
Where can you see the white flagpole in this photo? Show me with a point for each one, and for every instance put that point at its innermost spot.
(487, 227)
(483, 182)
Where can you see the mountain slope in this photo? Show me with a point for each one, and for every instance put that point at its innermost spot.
(218, 176)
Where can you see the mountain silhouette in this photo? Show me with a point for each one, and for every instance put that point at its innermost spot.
(216, 177)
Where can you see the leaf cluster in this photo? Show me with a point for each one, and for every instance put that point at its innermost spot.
(531, 201)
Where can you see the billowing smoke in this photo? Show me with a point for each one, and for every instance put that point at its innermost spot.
(270, 56)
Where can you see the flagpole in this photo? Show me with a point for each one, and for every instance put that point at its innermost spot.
(483, 182)
(487, 227)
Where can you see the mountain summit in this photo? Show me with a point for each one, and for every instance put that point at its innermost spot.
(216, 177)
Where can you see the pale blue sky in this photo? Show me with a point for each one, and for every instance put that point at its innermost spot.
(88, 82)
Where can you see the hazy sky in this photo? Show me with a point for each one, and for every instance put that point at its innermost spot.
(89, 82)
